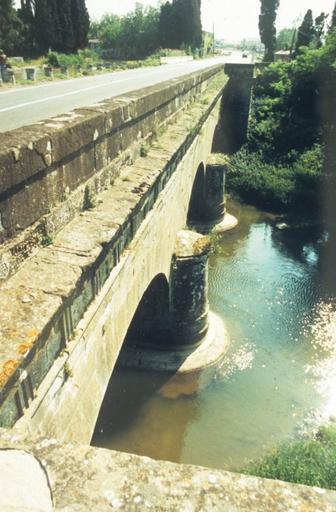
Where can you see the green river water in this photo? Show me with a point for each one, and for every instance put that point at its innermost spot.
(278, 380)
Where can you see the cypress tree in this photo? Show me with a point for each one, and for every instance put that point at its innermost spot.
(319, 27)
(180, 24)
(306, 31)
(196, 24)
(267, 30)
(47, 26)
(26, 15)
(80, 22)
(66, 30)
(333, 20)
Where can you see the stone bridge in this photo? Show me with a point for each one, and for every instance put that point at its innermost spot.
(96, 254)
(93, 208)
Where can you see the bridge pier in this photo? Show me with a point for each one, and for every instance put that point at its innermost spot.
(189, 289)
(207, 211)
(216, 218)
(196, 338)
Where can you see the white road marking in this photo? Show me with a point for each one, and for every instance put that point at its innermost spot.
(70, 80)
(71, 93)
(61, 82)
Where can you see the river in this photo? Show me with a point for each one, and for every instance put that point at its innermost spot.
(278, 379)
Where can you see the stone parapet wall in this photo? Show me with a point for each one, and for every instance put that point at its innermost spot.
(77, 478)
(46, 167)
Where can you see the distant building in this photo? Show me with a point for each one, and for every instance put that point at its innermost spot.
(284, 55)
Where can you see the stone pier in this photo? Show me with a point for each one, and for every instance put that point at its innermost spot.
(207, 210)
(216, 218)
(189, 289)
(196, 338)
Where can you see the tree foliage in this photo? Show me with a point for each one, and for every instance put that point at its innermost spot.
(11, 27)
(285, 39)
(267, 30)
(132, 36)
(173, 25)
(320, 23)
(46, 24)
(310, 32)
(81, 23)
(306, 31)
(61, 25)
(291, 131)
(288, 110)
(332, 25)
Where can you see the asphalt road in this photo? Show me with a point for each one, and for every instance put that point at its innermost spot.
(29, 104)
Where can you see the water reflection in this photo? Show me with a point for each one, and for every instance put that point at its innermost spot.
(279, 378)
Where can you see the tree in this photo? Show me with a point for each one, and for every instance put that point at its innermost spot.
(47, 25)
(166, 25)
(61, 25)
(26, 15)
(132, 36)
(333, 20)
(319, 27)
(66, 39)
(285, 38)
(306, 31)
(80, 22)
(11, 27)
(267, 27)
(196, 24)
(311, 33)
(180, 24)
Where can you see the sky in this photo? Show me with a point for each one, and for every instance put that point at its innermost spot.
(233, 20)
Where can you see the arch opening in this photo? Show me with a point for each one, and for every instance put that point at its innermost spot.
(124, 396)
(196, 204)
(150, 324)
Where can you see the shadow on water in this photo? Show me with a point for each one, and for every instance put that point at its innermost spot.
(133, 417)
(114, 417)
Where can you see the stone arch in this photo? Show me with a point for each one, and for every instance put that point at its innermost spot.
(195, 209)
(150, 324)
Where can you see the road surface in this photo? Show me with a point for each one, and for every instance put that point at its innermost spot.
(29, 104)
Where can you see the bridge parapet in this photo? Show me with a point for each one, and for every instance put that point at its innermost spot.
(50, 171)
(84, 478)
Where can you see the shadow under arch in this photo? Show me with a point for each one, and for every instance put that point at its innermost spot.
(129, 389)
(150, 324)
(196, 203)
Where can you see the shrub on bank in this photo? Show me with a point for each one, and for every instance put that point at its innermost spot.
(294, 183)
(309, 462)
(292, 114)
(81, 58)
